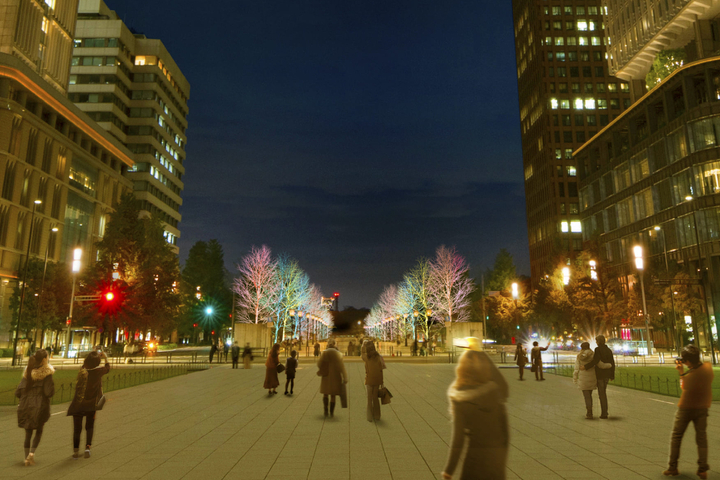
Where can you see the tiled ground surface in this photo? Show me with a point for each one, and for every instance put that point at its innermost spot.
(221, 424)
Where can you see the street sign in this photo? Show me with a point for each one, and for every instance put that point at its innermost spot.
(87, 298)
(678, 281)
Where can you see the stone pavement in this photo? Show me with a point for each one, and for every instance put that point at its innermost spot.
(221, 424)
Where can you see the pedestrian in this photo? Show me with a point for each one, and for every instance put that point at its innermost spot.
(350, 349)
(34, 391)
(695, 400)
(290, 368)
(49, 351)
(247, 356)
(585, 379)
(374, 365)
(88, 390)
(604, 375)
(477, 405)
(226, 349)
(235, 354)
(316, 349)
(332, 370)
(271, 373)
(414, 348)
(213, 349)
(536, 358)
(521, 359)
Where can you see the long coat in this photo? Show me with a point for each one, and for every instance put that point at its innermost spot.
(34, 408)
(373, 369)
(88, 389)
(271, 375)
(331, 384)
(479, 416)
(521, 357)
(585, 379)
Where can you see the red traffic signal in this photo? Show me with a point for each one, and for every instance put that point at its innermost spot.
(109, 296)
(336, 294)
(67, 322)
(110, 301)
(194, 325)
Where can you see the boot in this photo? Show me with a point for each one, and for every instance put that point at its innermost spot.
(589, 414)
(332, 409)
(325, 405)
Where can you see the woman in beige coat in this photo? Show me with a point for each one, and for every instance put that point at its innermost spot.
(374, 365)
(332, 370)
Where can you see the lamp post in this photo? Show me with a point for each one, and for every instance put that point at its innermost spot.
(22, 290)
(711, 339)
(77, 255)
(678, 341)
(640, 265)
(42, 284)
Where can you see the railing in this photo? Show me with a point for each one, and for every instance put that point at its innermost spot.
(634, 380)
(116, 380)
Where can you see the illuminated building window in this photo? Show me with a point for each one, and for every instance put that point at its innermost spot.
(583, 41)
(602, 104)
(578, 104)
(590, 103)
(559, 41)
(564, 226)
(592, 25)
(564, 104)
(571, 171)
(595, 41)
(582, 25)
(572, 41)
(576, 226)
(554, 103)
(579, 10)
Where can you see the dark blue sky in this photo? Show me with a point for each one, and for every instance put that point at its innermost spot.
(354, 135)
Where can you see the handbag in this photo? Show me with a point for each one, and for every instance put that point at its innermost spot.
(100, 403)
(384, 395)
(280, 368)
(533, 368)
(343, 396)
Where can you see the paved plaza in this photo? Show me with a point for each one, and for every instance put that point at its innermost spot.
(219, 424)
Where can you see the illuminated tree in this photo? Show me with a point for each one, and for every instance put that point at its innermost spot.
(450, 287)
(665, 62)
(257, 285)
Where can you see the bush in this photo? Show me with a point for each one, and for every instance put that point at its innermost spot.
(7, 353)
(167, 346)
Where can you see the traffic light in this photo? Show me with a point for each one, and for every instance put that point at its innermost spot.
(194, 325)
(110, 301)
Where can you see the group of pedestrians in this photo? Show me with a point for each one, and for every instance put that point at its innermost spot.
(37, 388)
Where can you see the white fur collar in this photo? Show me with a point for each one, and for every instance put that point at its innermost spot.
(473, 394)
(42, 371)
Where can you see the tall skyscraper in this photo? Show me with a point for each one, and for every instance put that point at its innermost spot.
(61, 173)
(134, 89)
(566, 96)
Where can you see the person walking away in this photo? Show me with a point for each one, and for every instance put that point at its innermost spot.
(290, 368)
(226, 350)
(247, 356)
(34, 391)
(374, 365)
(521, 359)
(213, 349)
(350, 348)
(88, 390)
(271, 373)
(536, 357)
(235, 353)
(586, 379)
(477, 405)
(316, 349)
(695, 401)
(414, 348)
(604, 375)
(332, 370)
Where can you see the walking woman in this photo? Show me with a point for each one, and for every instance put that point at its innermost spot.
(586, 380)
(374, 365)
(477, 404)
(88, 390)
(521, 358)
(332, 370)
(271, 374)
(34, 392)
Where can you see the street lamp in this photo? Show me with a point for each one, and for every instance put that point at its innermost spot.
(42, 284)
(566, 275)
(22, 291)
(640, 265)
(77, 255)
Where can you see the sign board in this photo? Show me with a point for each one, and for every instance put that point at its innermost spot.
(678, 281)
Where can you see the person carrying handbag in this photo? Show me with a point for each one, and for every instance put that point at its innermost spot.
(35, 390)
(271, 370)
(88, 392)
(374, 365)
(331, 369)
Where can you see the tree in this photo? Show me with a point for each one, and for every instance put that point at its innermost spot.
(415, 291)
(257, 284)
(502, 274)
(204, 289)
(292, 291)
(450, 286)
(665, 62)
(135, 250)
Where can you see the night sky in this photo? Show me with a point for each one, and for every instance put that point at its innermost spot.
(355, 135)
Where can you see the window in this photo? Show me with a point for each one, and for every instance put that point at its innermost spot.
(25, 192)
(582, 25)
(552, 88)
(553, 103)
(676, 145)
(572, 56)
(580, 10)
(568, 153)
(9, 181)
(568, 10)
(551, 71)
(563, 209)
(625, 212)
(592, 11)
(574, 209)
(703, 133)
(584, 56)
(559, 41)
(590, 103)
(707, 177)
(563, 87)
(575, 226)
(57, 194)
(578, 104)
(595, 41)
(597, 56)
(564, 226)
(624, 87)
(583, 41)
(550, 56)
(626, 103)
(612, 87)
(557, 25)
(565, 104)
(683, 186)
(556, 121)
(591, 120)
(561, 190)
(567, 136)
(556, 10)
(558, 156)
(580, 137)
(569, 25)
(560, 56)
(575, 87)
(604, 120)
(566, 121)
(588, 88)
(571, 171)
(622, 177)
(579, 120)
(600, 87)
(587, 72)
(572, 41)
(561, 72)
(574, 72)
(602, 104)
(614, 104)
(599, 72)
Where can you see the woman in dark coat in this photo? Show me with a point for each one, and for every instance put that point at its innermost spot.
(271, 374)
(477, 404)
(332, 370)
(374, 365)
(521, 359)
(34, 392)
(88, 390)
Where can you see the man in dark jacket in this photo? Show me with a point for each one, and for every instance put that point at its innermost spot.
(235, 354)
(605, 355)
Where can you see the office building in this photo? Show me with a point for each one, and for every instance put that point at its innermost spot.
(566, 96)
(134, 89)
